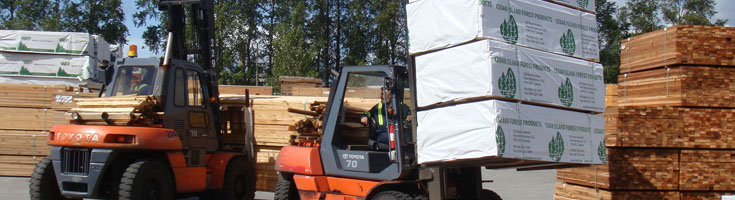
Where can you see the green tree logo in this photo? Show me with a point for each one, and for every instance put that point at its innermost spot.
(556, 147)
(24, 71)
(566, 93)
(567, 42)
(500, 140)
(583, 3)
(602, 152)
(507, 84)
(509, 30)
(61, 72)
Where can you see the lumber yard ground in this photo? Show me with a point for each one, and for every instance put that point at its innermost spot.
(510, 184)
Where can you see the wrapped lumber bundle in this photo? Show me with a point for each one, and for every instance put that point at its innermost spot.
(288, 83)
(489, 68)
(539, 24)
(498, 129)
(683, 86)
(670, 127)
(679, 45)
(574, 192)
(629, 169)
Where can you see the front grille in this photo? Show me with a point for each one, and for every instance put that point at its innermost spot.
(75, 161)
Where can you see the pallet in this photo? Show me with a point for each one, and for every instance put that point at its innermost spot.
(670, 127)
(575, 192)
(676, 45)
(629, 169)
(686, 86)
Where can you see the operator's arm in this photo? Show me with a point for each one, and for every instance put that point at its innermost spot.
(364, 116)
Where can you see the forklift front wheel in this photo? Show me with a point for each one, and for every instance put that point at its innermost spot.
(239, 180)
(43, 182)
(286, 188)
(392, 195)
(146, 179)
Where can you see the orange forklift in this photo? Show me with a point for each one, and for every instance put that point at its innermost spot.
(197, 147)
(340, 167)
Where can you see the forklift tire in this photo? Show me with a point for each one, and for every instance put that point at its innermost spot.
(239, 180)
(286, 188)
(490, 195)
(392, 195)
(43, 182)
(146, 179)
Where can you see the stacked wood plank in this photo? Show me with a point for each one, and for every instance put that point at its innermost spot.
(611, 95)
(679, 45)
(117, 110)
(274, 127)
(28, 112)
(240, 89)
(673, 134)
(288, 83)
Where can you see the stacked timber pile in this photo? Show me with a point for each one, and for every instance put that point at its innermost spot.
(274, 127)
(309, 130)
(673, 134)
(240, 89)
(118, 110)
(28, 112)
(289, 83)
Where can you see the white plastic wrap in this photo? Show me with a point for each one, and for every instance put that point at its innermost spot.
(437, 24)
(47, 65)
(54, 43)
(495, 128)
(493, 68)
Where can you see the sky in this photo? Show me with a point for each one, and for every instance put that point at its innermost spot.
(135, 32)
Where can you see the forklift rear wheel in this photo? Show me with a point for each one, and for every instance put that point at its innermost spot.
(286, 188)
(146, 179)
(239, 180)
(490, 195)
(392, 195)
(43, 182)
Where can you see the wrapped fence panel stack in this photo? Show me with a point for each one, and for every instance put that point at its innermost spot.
(45, 58)
(507, 81)
(675, 112)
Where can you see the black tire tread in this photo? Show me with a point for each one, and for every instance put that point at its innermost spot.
(490, 195)
(239, 164)
(394, 194)
(130, 174)
(285, 189)
(41, 173)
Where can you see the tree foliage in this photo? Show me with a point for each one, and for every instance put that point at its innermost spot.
(100, 17)
(690, 12)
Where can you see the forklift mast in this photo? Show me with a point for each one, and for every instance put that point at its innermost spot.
(202, 20)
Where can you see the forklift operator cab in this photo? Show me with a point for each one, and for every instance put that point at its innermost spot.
(134, 80)
(350, 149)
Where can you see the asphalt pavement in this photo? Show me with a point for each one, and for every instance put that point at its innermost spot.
(508, 183)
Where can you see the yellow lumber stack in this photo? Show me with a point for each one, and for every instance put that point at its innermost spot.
(28, 112)
(671, 132)
(290, 83)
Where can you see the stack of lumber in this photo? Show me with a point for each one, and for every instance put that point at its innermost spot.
(679, 45)
(274, 127)
(117, 110)
(240, 89)
(288, 83)
(29, 111)
(611, 95)
(309, 130)
(672, 133)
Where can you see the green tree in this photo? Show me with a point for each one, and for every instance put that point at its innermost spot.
(609, 36)
(690, 12)
(291, 55)
(100, 17)
(641, 16)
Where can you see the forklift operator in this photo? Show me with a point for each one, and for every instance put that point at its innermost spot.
(382, 115)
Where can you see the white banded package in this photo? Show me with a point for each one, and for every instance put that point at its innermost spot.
(47, 65)
(437, 24)
(54, 43)
(494, 128)
(493, 68)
